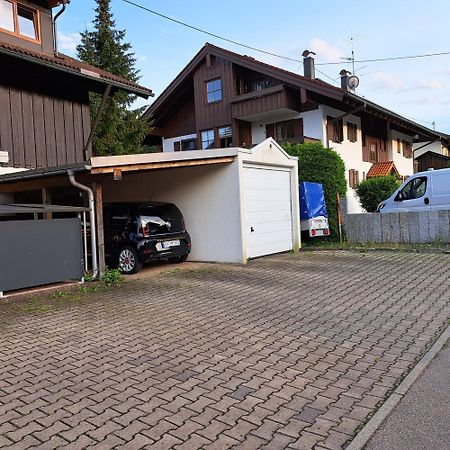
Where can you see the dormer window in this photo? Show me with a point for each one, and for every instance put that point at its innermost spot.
(19, 20)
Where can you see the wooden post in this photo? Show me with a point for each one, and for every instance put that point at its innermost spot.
(47, 200)
(98, 192)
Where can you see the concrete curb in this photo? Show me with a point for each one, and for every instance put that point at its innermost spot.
(362, 438)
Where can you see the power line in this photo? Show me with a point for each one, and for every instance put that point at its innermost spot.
(200, 30)
(391, 58)
(276, 55)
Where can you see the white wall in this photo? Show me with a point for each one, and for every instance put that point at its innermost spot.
(168, 144)
(350, 152)
(405, 166)
(208, 197)
(313, 124)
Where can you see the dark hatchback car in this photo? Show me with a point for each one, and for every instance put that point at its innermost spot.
(137, 233)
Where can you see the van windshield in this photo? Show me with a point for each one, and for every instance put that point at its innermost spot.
(416, 188)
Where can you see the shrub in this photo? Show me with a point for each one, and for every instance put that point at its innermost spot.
(374, 190)
(319, 164)
(112, 277)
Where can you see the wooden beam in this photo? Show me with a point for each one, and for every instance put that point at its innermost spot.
(98, 193)
(162, 165)
(47, 200)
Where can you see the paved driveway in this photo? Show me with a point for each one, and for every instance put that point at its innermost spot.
(292, 351)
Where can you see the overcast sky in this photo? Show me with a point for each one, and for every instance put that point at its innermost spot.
(416, 88)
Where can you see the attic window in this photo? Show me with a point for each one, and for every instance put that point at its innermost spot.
(214, 90)
(19, 20)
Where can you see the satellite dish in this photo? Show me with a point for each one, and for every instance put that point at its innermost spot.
(353, 82)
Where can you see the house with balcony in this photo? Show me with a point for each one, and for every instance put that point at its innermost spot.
(224, 99)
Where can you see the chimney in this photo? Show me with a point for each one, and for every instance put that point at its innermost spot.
(344, 79)
(309, 70)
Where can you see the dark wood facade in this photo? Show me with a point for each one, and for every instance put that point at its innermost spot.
(432, 160)
(374, 139)
(40, 130)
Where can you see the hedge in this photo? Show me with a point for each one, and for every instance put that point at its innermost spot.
(320, 164)
(373, 191)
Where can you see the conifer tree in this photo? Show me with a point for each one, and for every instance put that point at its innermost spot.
(121, 129)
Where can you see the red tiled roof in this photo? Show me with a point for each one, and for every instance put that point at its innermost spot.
(382, 169)
(64, 62)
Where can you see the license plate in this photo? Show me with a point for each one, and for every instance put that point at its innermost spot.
(168, 244)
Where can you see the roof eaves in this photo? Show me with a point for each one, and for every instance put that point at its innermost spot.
(90, 75)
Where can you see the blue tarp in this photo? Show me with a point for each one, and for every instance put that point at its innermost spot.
(312, 200)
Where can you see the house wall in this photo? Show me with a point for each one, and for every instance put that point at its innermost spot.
(209, 115)
(168, 144)
(182, 121)
(41, 130)
(46, 38)
(405, 166)
(212, 218)
(350, 152)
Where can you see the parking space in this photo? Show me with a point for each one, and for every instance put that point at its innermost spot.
(291, 351)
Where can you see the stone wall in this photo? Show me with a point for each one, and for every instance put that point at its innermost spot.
(418, 227)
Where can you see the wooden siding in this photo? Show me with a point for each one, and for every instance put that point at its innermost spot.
(431, 160)
(41, 131)
(381, 153)
(269, 99)
(210, 115)
(182, 122)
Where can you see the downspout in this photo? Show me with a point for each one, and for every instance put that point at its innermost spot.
(82, 187)
(55, 40)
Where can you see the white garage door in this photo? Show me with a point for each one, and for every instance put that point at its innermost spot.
(268, 213)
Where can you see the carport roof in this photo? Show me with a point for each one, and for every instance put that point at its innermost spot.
(147, 161)
(6, 208)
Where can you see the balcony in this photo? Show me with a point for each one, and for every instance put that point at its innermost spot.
(257, 104)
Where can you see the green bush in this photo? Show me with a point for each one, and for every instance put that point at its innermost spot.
(374, 190)
(319, 164)
(112, 277)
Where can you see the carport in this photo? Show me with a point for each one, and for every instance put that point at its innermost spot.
(237, 203)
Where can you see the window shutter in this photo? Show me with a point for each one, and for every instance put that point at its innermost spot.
(330, 129)
(351, 180)
(298, 128)
(270, 130)
(356, 177)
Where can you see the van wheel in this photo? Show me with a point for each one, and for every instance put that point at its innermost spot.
(178, 259)
(128, 260)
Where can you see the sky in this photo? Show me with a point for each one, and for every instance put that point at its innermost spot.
(416, 88)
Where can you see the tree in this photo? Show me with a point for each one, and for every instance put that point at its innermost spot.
(322, 165)
(121, 129)
(373, 191)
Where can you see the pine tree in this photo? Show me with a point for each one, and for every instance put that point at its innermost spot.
(121, 129)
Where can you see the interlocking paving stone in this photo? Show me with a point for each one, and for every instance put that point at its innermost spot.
(291, 351)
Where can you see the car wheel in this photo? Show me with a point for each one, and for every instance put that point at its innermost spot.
(128, 260)
(178, 259)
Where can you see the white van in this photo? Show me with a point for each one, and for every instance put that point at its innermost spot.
(422, 191)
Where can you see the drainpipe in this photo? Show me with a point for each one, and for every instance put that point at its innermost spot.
(55, 41)
(82, 187)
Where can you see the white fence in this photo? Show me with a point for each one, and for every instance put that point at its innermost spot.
(403, 227)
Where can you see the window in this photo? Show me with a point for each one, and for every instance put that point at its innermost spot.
(335, 129)
(259, 85)
(407, 149)
(353, 178)
(399, 146)
(188, 144)
(416, 188)
(284, 130)
(6, 15)
(19, 20)
(352, 130)
(207, 139)
(373, 152)
(214, 90)
(225, 137)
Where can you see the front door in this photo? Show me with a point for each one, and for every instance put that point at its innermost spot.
(245, 134)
